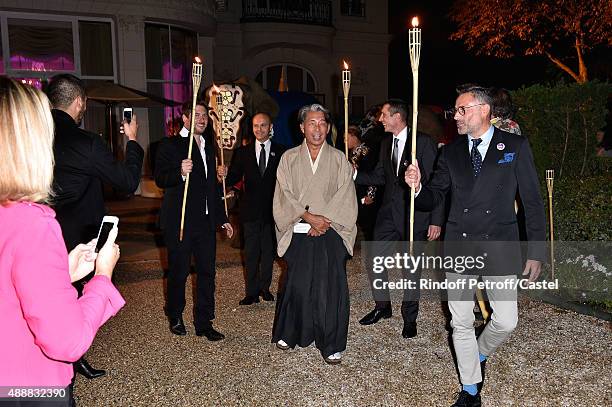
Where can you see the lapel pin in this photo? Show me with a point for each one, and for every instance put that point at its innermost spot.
(272, 153)
(501, 146)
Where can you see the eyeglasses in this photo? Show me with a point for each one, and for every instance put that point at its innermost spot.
(450, 113)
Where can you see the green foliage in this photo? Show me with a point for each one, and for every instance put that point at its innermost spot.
(561, 122)
(583, 208)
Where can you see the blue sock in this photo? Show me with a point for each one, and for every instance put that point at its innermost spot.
(470, 388)
(482, 357)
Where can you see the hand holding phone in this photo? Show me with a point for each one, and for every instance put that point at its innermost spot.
(109, 251)
(127, 114)
(129, 125)
(108, 223)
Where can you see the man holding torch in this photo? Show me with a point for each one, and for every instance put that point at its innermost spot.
(392, 219)
(483, 171)
(203, 213)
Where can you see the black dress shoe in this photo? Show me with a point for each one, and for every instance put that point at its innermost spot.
(465, 399)
(375, 315)
(410, 330)
(210, 333)
(82, 367)
(483, 365)
(248, 300)
(267, 295)
(177, 326)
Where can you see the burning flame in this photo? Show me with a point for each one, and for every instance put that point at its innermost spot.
(198, 60)
(346, 67)
(415, 22)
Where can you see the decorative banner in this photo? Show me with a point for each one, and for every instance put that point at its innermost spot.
(226, 113)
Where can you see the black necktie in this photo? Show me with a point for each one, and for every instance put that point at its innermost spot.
(262, 159)
(476, 157)
(394, 156)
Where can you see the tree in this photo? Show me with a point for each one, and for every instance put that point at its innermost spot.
(506, 28)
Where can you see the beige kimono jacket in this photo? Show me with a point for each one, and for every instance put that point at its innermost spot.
(330, 192)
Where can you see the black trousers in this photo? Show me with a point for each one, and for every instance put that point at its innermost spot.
(199, 240)
(313, 304)
(386, 231)
(259, 242)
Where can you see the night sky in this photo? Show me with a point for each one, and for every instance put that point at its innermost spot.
(444, 63)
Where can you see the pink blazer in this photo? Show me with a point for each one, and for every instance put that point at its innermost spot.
(43, 325)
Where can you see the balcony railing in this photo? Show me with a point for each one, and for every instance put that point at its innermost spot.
(317, 12)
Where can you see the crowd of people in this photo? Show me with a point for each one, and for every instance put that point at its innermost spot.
(303, 204)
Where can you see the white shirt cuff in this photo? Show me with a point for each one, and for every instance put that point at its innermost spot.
(420, 189)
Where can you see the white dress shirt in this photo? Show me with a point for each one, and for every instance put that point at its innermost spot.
(185, 133)
(484, 145)
(267, 147)
(402, 137)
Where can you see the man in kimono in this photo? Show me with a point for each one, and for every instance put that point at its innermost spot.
(315, 212)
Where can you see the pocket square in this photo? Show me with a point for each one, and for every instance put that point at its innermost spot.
(508, 158)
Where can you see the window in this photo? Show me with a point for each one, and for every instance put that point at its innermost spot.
(96, 45)
(296, 78)
(170, 52)
(353, 8)
(37, 46)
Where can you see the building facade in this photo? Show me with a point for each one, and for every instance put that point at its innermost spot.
(149, 46)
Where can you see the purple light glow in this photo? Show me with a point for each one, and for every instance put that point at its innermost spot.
(35, 82)
(178, 89)
(50, 63)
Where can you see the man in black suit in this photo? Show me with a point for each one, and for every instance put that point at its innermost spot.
(257, 163)
(82, 162)
(483, 172)
(392, 219)
(203, 213)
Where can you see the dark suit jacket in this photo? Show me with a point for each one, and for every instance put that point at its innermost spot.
(256, 200)
(82, 163)
(202, 188)
(482, 208)
(397, 193)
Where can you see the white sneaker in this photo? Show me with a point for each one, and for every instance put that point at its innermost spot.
(282, 345)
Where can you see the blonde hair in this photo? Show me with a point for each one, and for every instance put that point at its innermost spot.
(26, 143)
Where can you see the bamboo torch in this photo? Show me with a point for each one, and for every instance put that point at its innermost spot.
(196, 78)
(550, 178)
(217, 103)
(414, 42)
(346, 86)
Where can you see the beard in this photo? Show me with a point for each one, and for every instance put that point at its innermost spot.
(79, 117)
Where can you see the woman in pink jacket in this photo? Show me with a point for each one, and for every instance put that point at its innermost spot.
(44, 326)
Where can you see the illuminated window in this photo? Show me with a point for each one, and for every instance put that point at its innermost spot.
(170, 52)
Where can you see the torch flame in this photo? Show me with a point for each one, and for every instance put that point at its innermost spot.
(415, 22)
(345, 65)
(198, 60)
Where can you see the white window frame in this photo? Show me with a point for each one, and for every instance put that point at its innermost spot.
(74, 20)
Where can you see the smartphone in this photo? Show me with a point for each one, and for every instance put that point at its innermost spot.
(108, 223)
(127, 114)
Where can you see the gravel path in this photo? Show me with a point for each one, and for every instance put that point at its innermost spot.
(554, 358)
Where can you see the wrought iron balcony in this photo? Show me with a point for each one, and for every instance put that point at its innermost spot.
(317, 12)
